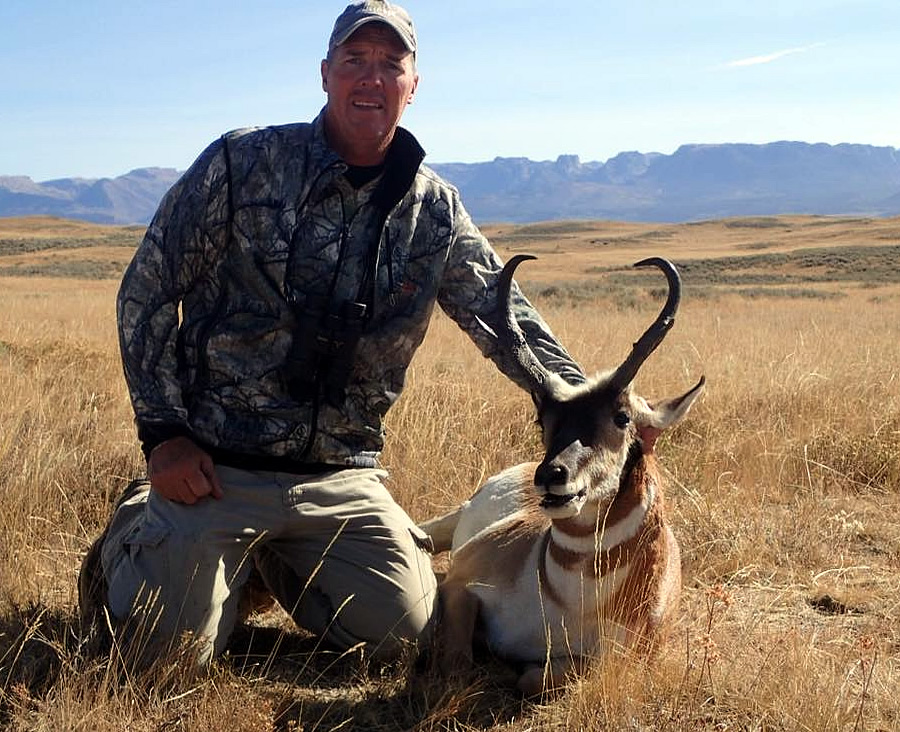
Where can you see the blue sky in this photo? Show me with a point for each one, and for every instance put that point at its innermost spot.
(95, 88)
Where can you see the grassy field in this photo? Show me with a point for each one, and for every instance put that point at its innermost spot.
(784, 487)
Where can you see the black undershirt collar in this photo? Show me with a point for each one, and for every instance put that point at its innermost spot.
(358, 175)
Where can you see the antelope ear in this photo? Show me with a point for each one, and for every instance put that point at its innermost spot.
(652, 419)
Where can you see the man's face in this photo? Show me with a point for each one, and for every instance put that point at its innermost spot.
(369, 79)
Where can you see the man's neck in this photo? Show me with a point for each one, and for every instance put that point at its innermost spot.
(358, 154)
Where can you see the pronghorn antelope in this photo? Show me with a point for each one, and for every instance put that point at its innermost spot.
(557, 562)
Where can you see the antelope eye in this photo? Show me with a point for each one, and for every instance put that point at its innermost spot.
(621, 420)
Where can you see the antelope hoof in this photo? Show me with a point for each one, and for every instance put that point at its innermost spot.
(453, 662)
(531, 682)
(539, 679)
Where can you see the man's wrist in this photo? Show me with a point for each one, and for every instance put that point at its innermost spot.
(152, 435)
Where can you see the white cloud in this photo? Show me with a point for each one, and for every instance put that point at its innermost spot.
(770, 57)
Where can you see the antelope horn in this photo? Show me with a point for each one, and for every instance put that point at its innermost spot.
(510, 335)
(654, 335)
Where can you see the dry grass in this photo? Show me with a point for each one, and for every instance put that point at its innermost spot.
(785, 488)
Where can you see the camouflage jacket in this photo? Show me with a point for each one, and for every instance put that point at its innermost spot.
(219, 310)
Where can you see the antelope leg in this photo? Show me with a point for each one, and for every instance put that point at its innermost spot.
(459, 611)
(441, 529)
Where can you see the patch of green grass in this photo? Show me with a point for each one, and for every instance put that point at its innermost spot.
(555, 228)
(789, 293)
(129, 237)
(550, 230)
(656, 235)
(576, 292)
(734, 279)
(756, 222)
(627, 297)
(87, 269)
(862, 264)
(790, 275)
(757, 245)
(834, 221)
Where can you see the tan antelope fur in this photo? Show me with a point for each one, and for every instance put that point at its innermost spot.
(558, 562)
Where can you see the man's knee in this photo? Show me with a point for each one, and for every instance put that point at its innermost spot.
(386, 626)
(386, 617)
(408, 625)
(398, 614)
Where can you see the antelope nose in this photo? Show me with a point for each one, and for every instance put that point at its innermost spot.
(548, 474)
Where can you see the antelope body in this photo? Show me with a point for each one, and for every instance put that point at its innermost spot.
(557, 562)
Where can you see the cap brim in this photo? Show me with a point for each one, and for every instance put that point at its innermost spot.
(401, 33)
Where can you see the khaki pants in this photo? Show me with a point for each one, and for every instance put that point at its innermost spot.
(335, 549)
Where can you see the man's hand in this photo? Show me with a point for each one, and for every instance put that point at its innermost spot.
(182, 472)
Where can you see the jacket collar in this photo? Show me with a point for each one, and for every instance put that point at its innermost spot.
(401, 165)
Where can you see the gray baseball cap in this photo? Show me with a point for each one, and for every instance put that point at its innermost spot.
(357, 14)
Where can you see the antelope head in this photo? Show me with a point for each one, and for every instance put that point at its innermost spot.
(590, 429)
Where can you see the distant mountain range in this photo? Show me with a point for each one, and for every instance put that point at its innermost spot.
(695, 182)
(129, 199)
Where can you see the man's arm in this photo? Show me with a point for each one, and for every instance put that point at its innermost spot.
(180, 245)
(469, 293)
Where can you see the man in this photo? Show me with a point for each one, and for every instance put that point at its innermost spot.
(266, 324)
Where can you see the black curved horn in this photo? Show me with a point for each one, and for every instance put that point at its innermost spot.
(510, 335)
(654, 335)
